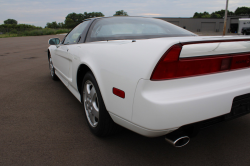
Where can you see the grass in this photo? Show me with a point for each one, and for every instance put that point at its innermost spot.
(7, 35)
(37, 32)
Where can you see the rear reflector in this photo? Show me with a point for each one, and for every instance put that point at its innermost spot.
(119, 92)
(170, 66)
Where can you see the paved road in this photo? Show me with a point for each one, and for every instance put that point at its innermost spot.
(42, 123)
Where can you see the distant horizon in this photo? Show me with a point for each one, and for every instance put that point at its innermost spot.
(142, 16)
(39, 13)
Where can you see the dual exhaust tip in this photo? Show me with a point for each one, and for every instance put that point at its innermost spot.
(177, 140)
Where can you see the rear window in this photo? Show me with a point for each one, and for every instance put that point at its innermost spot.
(119, 28)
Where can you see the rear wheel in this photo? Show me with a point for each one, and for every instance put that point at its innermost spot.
(98, 118)
(91, 103)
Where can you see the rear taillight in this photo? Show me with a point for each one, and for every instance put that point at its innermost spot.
(170, 66)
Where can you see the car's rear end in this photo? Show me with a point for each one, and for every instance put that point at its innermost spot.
(198, 82)
(174, 79)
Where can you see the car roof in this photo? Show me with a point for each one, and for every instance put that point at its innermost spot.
(93, 18)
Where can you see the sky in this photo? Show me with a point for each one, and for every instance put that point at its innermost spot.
(38, 13)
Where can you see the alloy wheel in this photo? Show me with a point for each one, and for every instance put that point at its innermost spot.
(52, 71)
(91, 104)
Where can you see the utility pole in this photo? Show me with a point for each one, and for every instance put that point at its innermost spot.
(225, 20)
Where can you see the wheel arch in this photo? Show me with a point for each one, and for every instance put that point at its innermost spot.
(81, 72)
(83, 69)
(48, 54)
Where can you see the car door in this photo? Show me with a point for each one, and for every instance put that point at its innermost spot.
(63, 59)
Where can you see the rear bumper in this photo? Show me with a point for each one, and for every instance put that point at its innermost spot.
(170, 104)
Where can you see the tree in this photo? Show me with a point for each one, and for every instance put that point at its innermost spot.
(74, 19)
(97, 14)
(54, 25)
(120, 13)
(69, 23)
(10, 21)
(201, 15)
(242, 10)
(215, 15)
(91, 15)
(60, 25)
(197, 15)
(206, 16)
(222, 13)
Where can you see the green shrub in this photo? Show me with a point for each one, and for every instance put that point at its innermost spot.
(13, 31)
(32, 32)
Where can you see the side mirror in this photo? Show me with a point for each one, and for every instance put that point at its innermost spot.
(54, 41)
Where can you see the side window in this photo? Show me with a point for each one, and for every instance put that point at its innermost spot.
(73, 36)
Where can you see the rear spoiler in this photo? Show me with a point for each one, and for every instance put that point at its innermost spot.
(213, 47)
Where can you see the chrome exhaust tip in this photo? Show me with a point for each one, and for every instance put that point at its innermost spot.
(177, 141)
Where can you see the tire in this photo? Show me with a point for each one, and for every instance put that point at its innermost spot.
(98, 118)
(52, 70)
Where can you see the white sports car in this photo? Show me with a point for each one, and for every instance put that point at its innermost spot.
(152, 77)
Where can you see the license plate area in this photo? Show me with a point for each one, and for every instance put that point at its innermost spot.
(240, 106)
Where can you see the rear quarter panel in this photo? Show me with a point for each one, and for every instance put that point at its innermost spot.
(121, 64)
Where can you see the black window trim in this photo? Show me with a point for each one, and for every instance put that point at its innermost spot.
(81, 38)
(88, 39)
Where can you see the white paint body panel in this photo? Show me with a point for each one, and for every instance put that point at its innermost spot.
(151, 108)
(159, 105)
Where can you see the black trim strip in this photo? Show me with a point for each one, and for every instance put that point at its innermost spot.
(213, 41)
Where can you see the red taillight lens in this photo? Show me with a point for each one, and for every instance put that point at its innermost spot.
(172, 54)
(166, 67)
(170, 66)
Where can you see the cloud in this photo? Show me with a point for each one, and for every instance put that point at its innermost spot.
(26, 22)
(150, 14)
(41, 12)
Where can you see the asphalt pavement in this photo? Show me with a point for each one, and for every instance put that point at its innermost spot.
(42, 123)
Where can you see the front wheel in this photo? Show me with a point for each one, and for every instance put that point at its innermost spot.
(98, 118)
(52, 70)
